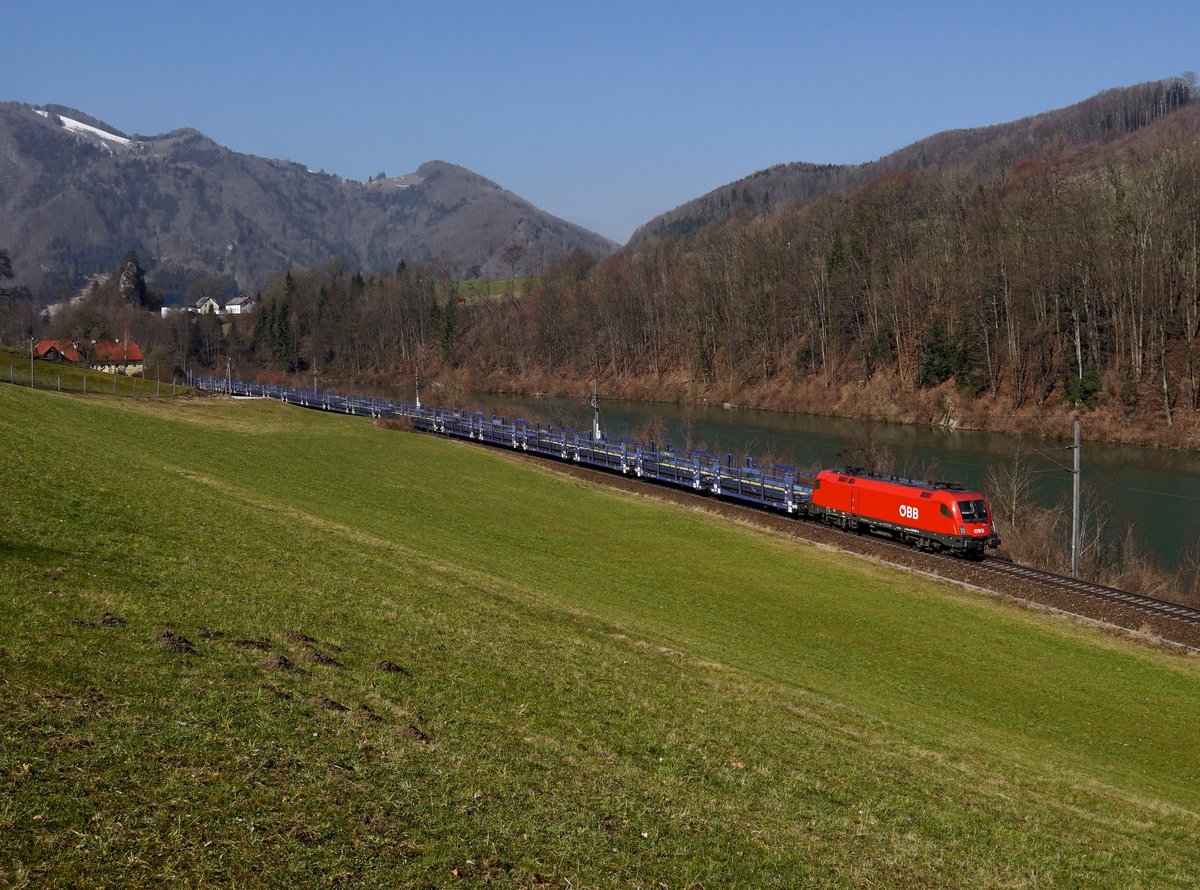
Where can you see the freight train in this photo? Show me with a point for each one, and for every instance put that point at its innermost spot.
(928, 515)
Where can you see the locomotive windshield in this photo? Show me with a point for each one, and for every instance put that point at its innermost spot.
(973, 511)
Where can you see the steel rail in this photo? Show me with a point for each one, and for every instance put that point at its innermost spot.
(1141, 602)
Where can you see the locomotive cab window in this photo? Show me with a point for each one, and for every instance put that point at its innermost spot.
(945, 510)
(973, 511)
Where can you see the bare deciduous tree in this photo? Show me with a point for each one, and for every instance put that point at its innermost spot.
(511, 255)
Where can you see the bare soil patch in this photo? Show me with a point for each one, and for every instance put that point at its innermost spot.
(323, 701)
(314, 656)
(174, 642)
(108, 619)
(277, 662)
(409, 731)
(400, 424)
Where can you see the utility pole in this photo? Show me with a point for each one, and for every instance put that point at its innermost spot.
(229, 376)
(417, 376)
(1075, 507)
(31, 362)
(1074, 470)
(597, 430)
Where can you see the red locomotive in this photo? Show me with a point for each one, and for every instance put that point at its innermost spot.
(931, 515)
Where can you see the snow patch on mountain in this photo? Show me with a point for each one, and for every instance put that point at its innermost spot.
(77, 127)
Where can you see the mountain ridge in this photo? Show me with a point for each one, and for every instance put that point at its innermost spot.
(77, 193)
(1104, 117)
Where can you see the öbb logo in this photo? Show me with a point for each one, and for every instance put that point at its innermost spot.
(907, 512)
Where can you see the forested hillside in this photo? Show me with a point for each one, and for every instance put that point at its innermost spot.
(1074, 273)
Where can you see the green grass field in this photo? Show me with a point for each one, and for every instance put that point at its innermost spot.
(595, 689)
(476, 290)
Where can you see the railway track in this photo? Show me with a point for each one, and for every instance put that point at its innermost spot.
(1011, 571)
(1149, 605)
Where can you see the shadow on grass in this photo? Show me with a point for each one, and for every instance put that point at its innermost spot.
(35, 553)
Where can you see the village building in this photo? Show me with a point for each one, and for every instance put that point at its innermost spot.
(59, 351)
(117, 357)
(110, 356)
(240, 305)
(207, 306)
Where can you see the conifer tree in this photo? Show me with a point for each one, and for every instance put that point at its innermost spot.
(937, 356)
(285, 339)
(7, 274)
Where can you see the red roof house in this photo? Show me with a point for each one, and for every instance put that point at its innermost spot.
(118, 356)
(58, 351)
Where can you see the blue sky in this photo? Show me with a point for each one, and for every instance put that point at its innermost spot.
(604, 113)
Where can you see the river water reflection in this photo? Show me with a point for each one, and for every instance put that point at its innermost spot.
(1155, 490)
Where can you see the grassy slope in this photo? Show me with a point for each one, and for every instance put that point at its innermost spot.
(615, 691)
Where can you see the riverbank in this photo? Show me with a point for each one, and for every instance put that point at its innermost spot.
(881, 399)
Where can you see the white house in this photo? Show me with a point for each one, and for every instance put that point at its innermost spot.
(240, 305)
(207, 306)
